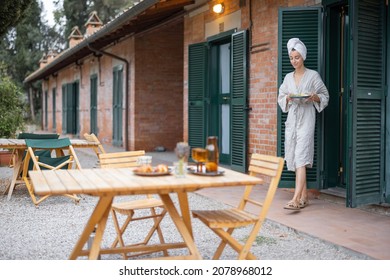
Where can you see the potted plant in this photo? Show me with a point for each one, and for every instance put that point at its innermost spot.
(11, 113)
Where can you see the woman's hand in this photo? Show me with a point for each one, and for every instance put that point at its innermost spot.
(314, 98)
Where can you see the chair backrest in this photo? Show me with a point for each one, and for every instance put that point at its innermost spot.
(120, 159)
(35, 148)
(49, 144)
(26, 135)
(93, 138)
(270, 168)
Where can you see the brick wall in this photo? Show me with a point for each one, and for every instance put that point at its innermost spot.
(159, 87)
(155, 89)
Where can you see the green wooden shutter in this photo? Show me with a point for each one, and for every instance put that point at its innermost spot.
(239, 112)
(93, 104)
(64, 108)
(54, 107)
(69, 111)
(197, 68)
(117, 106)
(76, 107)
(305, 24)
(46, 114)
(367, 104)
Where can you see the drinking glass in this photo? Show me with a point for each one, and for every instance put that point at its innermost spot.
(199, 155)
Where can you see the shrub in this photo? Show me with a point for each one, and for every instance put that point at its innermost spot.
(11, 108)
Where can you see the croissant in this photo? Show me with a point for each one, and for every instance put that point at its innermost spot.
(145, 168)
(161, 168)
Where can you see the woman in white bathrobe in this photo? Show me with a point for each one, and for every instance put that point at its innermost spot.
(300, 124)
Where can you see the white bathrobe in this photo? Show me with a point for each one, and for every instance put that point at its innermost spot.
(301, 118)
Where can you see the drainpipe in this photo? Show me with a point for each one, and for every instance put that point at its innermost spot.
(126, 90)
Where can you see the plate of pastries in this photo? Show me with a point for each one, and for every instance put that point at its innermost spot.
(149, 170)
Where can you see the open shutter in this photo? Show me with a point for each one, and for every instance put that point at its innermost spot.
(117, 106)
(64, 108)
(46, 108)
(197, 62)
(76, 107)
(93, 105)
(305, 24)
(367, 103)
(239, 112)
(70, 109)
(54, 108)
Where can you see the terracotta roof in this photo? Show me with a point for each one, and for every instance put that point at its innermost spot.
(142, 16)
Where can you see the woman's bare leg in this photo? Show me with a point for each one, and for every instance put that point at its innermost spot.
(300, 184)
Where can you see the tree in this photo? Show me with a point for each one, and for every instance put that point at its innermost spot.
(22, 47)
(11, 106)
(11, 12)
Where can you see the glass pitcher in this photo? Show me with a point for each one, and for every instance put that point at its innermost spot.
(213, 154)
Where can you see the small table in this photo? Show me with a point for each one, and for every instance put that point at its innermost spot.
(19, 146)
(108, 183)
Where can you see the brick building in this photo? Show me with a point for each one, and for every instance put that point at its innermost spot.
(165, 71)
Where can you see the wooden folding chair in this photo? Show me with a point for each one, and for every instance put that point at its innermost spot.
(93, 138)
(223, 222)
(129, 208)
(18, 164)
(36, 159)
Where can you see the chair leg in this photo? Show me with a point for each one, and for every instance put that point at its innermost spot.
(32, 195)
(74, 197)
(120, 230)
(156, 227)
(228, 239)
(222, 246)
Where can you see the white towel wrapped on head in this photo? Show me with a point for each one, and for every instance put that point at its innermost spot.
(298, 45)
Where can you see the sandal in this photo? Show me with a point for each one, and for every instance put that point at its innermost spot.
(292, 205)
(303, 203)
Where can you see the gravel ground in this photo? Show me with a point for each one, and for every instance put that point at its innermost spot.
(50, 231)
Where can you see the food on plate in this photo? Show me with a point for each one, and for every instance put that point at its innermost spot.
(161, 168)
(211, 167)
(147, 168)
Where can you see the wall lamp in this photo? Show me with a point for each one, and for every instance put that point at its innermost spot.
(218, 8)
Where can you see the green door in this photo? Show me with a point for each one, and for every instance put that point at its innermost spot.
(305, 24)
(217, 96)
(70, 108)
(366, 104)
(117, 106)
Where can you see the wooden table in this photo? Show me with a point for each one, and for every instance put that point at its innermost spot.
(108, 183)
(19, 146)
